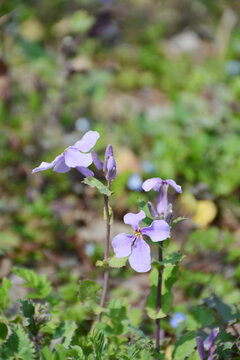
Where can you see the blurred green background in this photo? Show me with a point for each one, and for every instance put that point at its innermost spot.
(160, 80)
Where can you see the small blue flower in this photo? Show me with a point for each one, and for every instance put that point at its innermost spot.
(135, 182)
(90, 249)
(176, 319)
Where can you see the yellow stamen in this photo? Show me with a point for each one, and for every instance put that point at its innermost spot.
(138, 233)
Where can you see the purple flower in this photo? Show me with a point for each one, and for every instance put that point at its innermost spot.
(207, 345)
(76, 156)
(161, 186)
(209, 341)
(134, 246)
(200, 348)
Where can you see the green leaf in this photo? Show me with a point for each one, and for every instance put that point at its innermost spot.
(27, 308)
(70, 328)
(172, 259)
(227, 312)
(184, 346)
(3, 331)
(18, 346)
(89, 290)
(169, 277)
(117, 262)
(76, 353)
(142, 205)
(60, 352)
(95, 183)
(35, 281)
(4, 290)
(46, 353)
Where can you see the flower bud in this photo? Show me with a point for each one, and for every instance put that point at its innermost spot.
(97, 162)
(108, 153)
(111, 169)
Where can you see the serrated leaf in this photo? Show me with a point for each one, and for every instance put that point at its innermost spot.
(3, 331)
(172, 259)
(184, 346)
(117, 262)
(70, 328)
(95, 183)
(88, 290)
(18, 345)
(35, 281)
(27, 308)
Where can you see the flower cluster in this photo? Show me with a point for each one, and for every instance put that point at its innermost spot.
(133, 245)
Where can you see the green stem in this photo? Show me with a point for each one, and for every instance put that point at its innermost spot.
(106, 252)
(159, 300)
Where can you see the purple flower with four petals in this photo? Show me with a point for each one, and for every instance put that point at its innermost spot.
(134, 246)
(76, 156)
(161, 186)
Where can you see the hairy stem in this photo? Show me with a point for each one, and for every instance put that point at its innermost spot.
(159, 300)
(106, 253)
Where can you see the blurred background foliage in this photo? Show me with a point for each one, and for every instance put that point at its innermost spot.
(160, 81)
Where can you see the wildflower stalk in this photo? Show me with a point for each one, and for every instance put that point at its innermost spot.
(159, 299)
(106, 252)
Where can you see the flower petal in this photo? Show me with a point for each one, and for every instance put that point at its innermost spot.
(74, 158)
(159, 230)
(153, 183)
(162, 203)
(85, 171)
(209, 341)
(61, 167)
(97, 162)
(45, 165)
(87, 142)
(140, 259)
(200, 348)
(122, 245)
(134, 219)
(173, 184)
